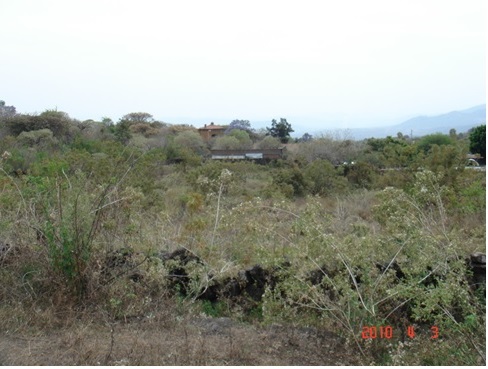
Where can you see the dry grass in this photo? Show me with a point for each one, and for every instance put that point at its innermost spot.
(170, 339)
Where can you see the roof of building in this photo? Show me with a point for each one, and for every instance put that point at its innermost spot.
(212, 126)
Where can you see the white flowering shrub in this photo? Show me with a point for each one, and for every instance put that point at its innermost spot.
(412, 271)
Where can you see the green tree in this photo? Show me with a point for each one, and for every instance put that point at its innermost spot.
(240, 124)
(477, 140)
(107, 121)
(136, 123)
(122, 131)
(226, 143)
(139, 117)
(269, 142)
(192, 141)
(399, 155)
(243, 137)
(280, 130)
(426, 142)
(6, 111)
(58, 122)
(306, 138)
(379, 144)
(236, 139)
(447, 162)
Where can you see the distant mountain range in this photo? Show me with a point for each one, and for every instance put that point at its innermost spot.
(461, 121)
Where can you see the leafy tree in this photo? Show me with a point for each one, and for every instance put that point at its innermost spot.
(56, 121)
(107, 121)
(122, 132)
(390, 152)
(139, 117)
(226, 143)
(20, 123)
(139, 123)
(446, 161)
(400, 155)
(192, 141)
(243, 138)
(306, 138)
(144, 129)
(379, 144)
(237, 139)
(477, 140)
(6, 111)
(269, 142)
(280, 130)
(426, 142)
(243, 125)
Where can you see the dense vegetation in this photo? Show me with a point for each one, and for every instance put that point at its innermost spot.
(369, 233)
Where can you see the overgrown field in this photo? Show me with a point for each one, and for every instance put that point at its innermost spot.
(117, 242)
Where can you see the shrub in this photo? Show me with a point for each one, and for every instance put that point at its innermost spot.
(322, 178)
(290, 181)
(411, 273)
(361, 174)
(336, 150)
(39, 137)
(68, 222)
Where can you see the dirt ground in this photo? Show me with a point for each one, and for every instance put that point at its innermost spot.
(196, 341)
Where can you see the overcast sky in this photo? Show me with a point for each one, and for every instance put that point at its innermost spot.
(335, 63)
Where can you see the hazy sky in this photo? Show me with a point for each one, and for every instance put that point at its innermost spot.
(339, 63)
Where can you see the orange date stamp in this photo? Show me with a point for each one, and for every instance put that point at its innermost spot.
(386, 332)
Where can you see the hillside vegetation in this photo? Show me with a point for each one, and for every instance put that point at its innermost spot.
(110, 231)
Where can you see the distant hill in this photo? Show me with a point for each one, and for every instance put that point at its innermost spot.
(461, 121)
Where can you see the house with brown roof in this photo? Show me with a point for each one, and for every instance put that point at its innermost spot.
(211, 130)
